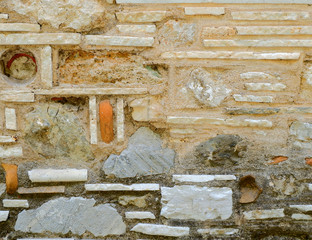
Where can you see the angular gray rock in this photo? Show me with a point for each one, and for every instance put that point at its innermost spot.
(76, 215)
(144, 156)
(53, 131)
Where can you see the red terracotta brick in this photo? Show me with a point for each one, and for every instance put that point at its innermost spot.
(278, 159)
(10, 177)
(106, 121)
(309, 161)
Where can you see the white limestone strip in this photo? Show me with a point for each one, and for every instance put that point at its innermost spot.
(258, 43)
(218, 231)
(264, 214)
(92, 91)
(141, 16)
(119, 41)
(161, 230)
(17, 96)
(4, 216)
(120, 187)
(41, 39)
(4, 16)
(304, 208)
(265, 86)
(257, 75)
(133, 29)
(11, 152)
(299, 216)
(10, 118)
(204, 11)
(232, 55)
(58, 175)
(7, 139)
(14, 203)
(270, 15)
(274, 30)
(19, 27)
(202, 178)
(214, 1)
(93, 119)
(140, 215)
(252, 98)
(120, 120)
(46, 71)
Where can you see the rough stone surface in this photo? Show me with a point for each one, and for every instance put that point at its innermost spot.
(211, 203)
(144, 156)
(2, 188)
(301, 130)
(264, 214)
(59, 131)
(206, 89)
(140, 202)
(307, 74)
(76, 214)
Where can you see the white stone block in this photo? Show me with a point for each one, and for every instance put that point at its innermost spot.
(258, 43)
(140, 215)
(304, 208)
(58, 175)
(134, 29)
(120, 120)
(310, 186)
(14, 203)
(4, 216)
(214, 1)
(178, 202)
(161, 230)
(270, 15)
(119, 41)
(201, 178)
(142, 16)
(121, 187)
(19, 27)
(232, 55)
(264, 214)
(91, 91)
(252, 98)
(274, 30)
(10, 119)
(11, 152)
(17, 96)
(265, 86)
(4, 16)
(204, 11)
(257, 75)
(299, 216)
(93, 119)
(46, 71)
(218, 231)
(7, 139)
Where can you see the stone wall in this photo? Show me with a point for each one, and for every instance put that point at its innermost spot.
(155, 119)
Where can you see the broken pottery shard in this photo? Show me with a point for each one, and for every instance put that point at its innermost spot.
(10, 177)
(144, 156)
(106, 121)
(249, 189)
(76, 215)
(278, 159)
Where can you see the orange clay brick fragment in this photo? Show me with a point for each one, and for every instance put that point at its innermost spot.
(106, 121)
(309, 161)
(10, 177)
(278, 159)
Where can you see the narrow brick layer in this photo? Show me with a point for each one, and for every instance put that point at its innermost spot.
(119, 41)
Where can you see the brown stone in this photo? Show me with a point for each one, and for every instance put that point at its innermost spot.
(106, 121)
(278, 159)
(309, 161)
(10, 177)
(250, 191)
(38, 190)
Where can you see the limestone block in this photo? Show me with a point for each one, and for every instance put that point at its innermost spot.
(4, 216)
(119, 41)
(140, 215)
(41, 190)
(13, 203)
(58, 175)
(121, 187)
(178, 202)
(46, 72)
(10, 119)
(204, 11)
(17, 96)
(258, 43)
(252, 98)
(274, 30)
(218, 231)
(8, 152)
(120, 120)
(93, 119)
(270, 15)
(19, 27)
(264, 214)
(134, 29)
(142, 16)
(202, 178)
(265, 86)
(161, 230)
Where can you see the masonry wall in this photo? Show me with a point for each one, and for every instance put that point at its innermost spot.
(155, 119)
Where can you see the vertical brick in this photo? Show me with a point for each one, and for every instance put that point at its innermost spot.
(10, 177)
(46, 67)
(93, 120)
(106, 121)
(120, 120)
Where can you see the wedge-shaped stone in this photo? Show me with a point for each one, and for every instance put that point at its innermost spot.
(4, 216)
(264, 214)
(218, 231)
(299, 216)
(265, 86)
(270, 15)
(274, 30)
(7, 139)
(202, 178)
(178, 202)
(58, 175)
(134, 29)
(119, 41)
(213, 1)
(232, 55)
(142, 16)
(121, 187)
(41, 190)
(14, 203)
(161, 230)
(252, 98)
(140, 215)
(19, 27)
(7, 152)
(92, 91)
(304, 208)
(17, 96)
(41, 39)
(258, 43)
(204, 11)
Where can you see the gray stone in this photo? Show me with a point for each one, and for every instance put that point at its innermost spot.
(206, 89)
(199, 203)
(175, 33)
(220, 150)
(76, 215)
(301, 130)
(53, 131)
(2, 188)
(144, 156)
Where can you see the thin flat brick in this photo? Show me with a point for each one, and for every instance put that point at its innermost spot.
(7, 139)
(10, 119)
(17, 96)
(58, 175)
(11, 178)
(106, 116)
(93, 119)
(139, 215)
(92, 91)
(264, 214)
(265, 86)
(120, 120)
(121, 187)
(46, 67)
(119, 41)
(218, 231)
(19, 27)
(142, 16)
(214, 1)
(259, 111)
(270, 15)
(274, 30)
(41, 190)
(133, 29)
(258, 43)
(15, 203)
(161, 230)
(204, 11)
(252, 98)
